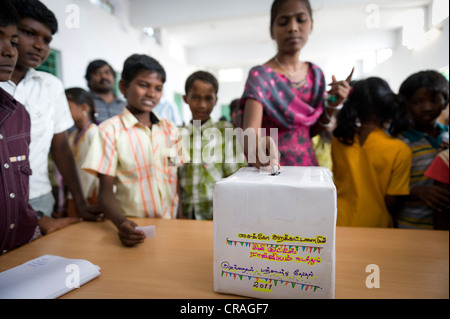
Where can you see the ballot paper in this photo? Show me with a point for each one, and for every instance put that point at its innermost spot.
(149, 231)
(274, 236)
(46, 277)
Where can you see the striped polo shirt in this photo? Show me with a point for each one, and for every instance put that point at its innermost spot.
(415, 214)
(140, 160)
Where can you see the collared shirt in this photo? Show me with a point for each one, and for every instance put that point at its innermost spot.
(107, 110)
(199, 175)
(140, 160)
(415, 214)
(365, 174)
(44, 98)
(18, 221)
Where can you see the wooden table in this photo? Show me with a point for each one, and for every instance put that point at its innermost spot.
(178, 262)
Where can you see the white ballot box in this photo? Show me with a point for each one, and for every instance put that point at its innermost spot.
(274, 236)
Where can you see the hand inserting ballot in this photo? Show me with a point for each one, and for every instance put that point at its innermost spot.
(275, 170)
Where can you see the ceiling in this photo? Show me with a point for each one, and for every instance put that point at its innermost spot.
(235, 33)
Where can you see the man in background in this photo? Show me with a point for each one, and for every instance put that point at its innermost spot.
(101, 80)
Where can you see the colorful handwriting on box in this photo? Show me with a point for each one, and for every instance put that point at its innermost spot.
(287, 251)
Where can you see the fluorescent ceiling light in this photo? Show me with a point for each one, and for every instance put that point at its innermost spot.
(231, 75)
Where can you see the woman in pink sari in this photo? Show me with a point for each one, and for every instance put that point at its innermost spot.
(288, 94)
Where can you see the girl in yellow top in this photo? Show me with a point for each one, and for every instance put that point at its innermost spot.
(371, 168)
(84, 114)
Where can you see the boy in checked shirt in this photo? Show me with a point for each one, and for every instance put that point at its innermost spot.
(210, 159)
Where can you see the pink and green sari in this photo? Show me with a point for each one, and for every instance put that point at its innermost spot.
(290, 109)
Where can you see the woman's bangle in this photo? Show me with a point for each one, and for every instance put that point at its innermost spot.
(329, 124)
(328, 116)
(333, 99)
(336, 108)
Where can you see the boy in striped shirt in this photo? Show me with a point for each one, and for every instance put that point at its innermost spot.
(133, 152)
(427, 94)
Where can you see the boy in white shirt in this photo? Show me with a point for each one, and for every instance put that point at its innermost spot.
(43, 96)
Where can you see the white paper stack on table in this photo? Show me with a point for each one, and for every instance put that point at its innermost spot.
(46, 277)
(274, 236)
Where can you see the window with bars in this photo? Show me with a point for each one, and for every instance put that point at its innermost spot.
(225, 108)
(52, 65)
(179, 103)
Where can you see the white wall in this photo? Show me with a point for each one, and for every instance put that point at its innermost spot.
(113, 38)
(103, 36)
(404, 62)
(182, 10)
